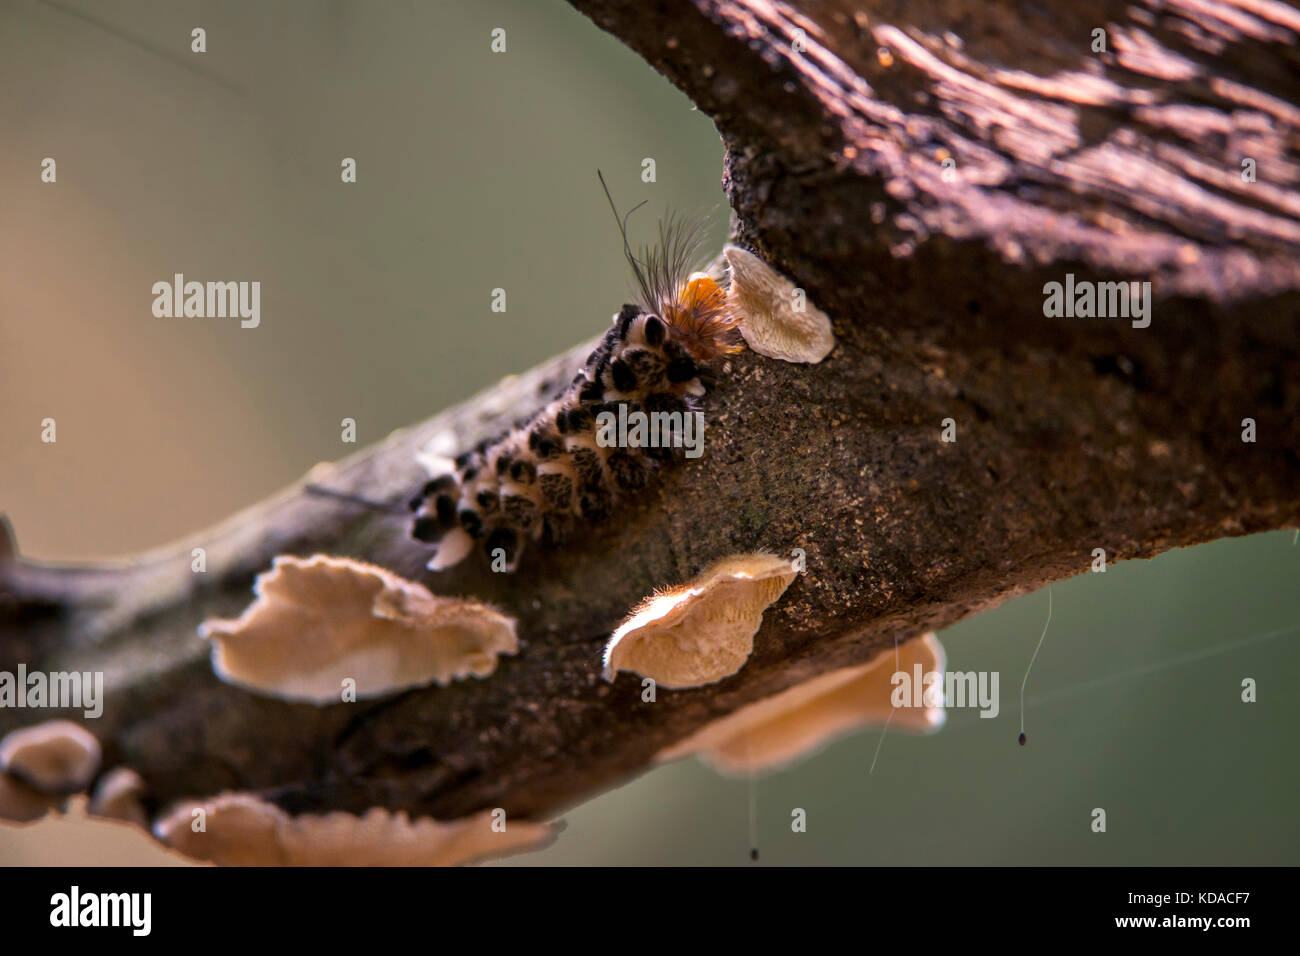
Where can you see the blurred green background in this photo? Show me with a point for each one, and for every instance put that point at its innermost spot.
(475, 171)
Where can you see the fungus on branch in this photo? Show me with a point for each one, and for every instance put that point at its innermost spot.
(777, 320)
(117, 796)
(57, 756)
(704, 630)
(320, 621)
(777, 731)
(239, 829)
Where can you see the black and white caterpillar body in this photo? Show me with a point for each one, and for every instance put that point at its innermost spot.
(544, 479)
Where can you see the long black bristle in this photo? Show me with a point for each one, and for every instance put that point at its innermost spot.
(661, 269)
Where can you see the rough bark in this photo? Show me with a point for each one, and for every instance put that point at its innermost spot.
(1072, 434)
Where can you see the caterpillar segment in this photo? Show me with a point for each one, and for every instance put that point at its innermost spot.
(550, 476)
(546, 478)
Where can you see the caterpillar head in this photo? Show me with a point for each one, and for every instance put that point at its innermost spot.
(703, 317)
(696, 308)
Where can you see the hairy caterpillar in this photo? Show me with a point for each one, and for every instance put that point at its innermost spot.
(543, 479)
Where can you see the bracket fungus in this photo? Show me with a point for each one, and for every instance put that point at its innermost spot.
(240, 829)
(117, 796)
(777, 320)
(777, 731)
(56, 756)
(322, 620)
(704, 630)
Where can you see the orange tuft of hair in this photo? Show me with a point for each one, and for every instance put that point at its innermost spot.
(705, 320)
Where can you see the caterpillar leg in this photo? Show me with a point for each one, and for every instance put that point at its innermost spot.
(452, 549)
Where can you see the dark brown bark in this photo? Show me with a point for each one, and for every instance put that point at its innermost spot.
(1072, 434)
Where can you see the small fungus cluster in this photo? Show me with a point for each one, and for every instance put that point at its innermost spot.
(42, 765)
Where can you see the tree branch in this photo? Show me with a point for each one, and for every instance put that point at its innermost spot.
(1072, 434)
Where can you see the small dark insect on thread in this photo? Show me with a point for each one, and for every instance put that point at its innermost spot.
(1041, 638)
(549, 475)
(753, 807)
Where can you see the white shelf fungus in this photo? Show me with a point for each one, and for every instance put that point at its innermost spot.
(320, 621)
(239, 829)
(704, 630)
(117, 797)
(779, 730)
(56, 756)
(777, 320)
